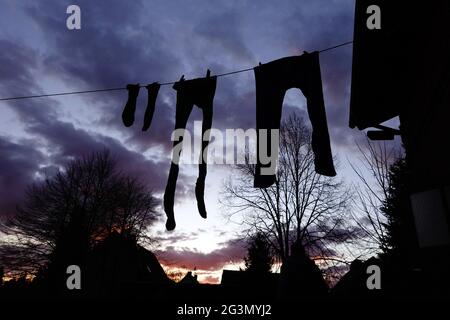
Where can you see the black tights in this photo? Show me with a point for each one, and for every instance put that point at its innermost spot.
(189, 92)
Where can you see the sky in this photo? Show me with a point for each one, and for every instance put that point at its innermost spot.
(123, 42)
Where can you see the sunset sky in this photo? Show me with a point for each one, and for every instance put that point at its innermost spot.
(124, 42)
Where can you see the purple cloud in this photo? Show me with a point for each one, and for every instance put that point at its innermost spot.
(233, 251)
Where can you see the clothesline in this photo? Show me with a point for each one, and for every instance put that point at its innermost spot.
(162, 84)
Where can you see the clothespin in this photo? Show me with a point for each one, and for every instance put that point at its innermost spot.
(130, 86)
(151, 84)
(177, 84)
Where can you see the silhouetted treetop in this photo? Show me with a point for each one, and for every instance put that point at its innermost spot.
(259, 257)
(65, 215)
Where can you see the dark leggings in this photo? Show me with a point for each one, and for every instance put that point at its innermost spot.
(189, 92)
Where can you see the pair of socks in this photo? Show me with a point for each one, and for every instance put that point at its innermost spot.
(130, 106)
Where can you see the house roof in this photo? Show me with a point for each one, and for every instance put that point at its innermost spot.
(235, 277)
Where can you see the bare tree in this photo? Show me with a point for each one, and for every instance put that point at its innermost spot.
(301, 205)
(68, 213)
(373, 173)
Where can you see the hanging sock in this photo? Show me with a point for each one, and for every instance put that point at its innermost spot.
(201, 93)
(272, 81)
(152, 91)
(130, 107)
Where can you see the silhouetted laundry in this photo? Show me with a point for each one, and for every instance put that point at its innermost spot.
(273, 79)
(130, 107)
(200, 92)
(152, 91)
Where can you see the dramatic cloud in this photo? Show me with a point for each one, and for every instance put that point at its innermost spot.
(232, 252)
(18, 166)
(124, 42)
(16, 67)
(210, 279)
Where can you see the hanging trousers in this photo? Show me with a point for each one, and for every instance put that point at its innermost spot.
(200, 92)
(272, 81)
